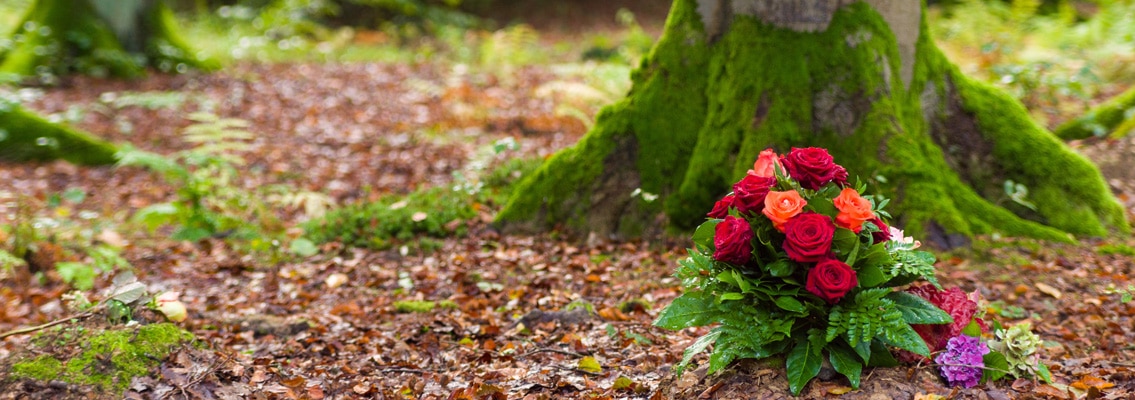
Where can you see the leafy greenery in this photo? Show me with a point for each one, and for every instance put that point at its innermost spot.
(210, 203)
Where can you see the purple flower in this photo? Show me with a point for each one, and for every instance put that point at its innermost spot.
(961, 363)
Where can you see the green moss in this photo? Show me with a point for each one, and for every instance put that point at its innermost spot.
(65, 36)
(699, 113)
(27, 137)
(414, 306)
(110, 359)
(1100, 120)
(43, 368)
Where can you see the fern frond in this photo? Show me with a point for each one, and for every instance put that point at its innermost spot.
(870, 315)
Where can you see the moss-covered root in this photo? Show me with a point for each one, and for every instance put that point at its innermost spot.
(1102, 119)
(65, 36)
(27, 137)
(1067, 191)
(110, 359)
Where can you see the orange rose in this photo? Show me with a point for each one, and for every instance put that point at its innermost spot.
(853, 210)
(765, 165)
(782, 206)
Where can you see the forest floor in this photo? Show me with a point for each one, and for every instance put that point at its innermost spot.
(517, 317)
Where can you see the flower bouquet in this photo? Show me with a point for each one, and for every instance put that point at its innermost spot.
(798, 262)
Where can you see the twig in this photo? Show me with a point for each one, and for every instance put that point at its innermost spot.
(708, 393)
(27, 330)
(552, 350)
(407, 370)
(582, 371)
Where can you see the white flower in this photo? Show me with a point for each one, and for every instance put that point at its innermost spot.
(172, 308)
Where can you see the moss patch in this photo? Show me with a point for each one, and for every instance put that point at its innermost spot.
(422, 306)
(27, 137)
(110, 359)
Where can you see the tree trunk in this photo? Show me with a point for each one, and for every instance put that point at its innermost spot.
(861, 78)
(97, 37)
(27, 137)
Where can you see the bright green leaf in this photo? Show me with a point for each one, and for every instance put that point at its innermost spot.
(996, 366)
(731, 296)
(790, 304)
(703, 236)
(1043, 373)
(904, 337)
(870, 276)
(689, 309)
(846, 362)
(916, 310)
(803, 364)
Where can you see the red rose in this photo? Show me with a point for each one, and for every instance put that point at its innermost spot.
(884, 233)
(732, 241)
(749, 194)
(721, 208)
(813, 167)
(830, 280)
(808, 237)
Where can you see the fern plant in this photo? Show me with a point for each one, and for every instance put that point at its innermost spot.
(209, 201)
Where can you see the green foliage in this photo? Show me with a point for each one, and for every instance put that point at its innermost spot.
(210, 202)
(62, 233)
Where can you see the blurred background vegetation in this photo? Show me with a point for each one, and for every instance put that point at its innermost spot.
(1058, 56)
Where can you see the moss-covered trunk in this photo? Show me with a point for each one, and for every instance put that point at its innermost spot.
(27, 137)
(729, 78)
(98, 37)
(1115, 117)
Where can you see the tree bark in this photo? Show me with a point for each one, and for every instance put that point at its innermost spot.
(98, 37)
(861, 78)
